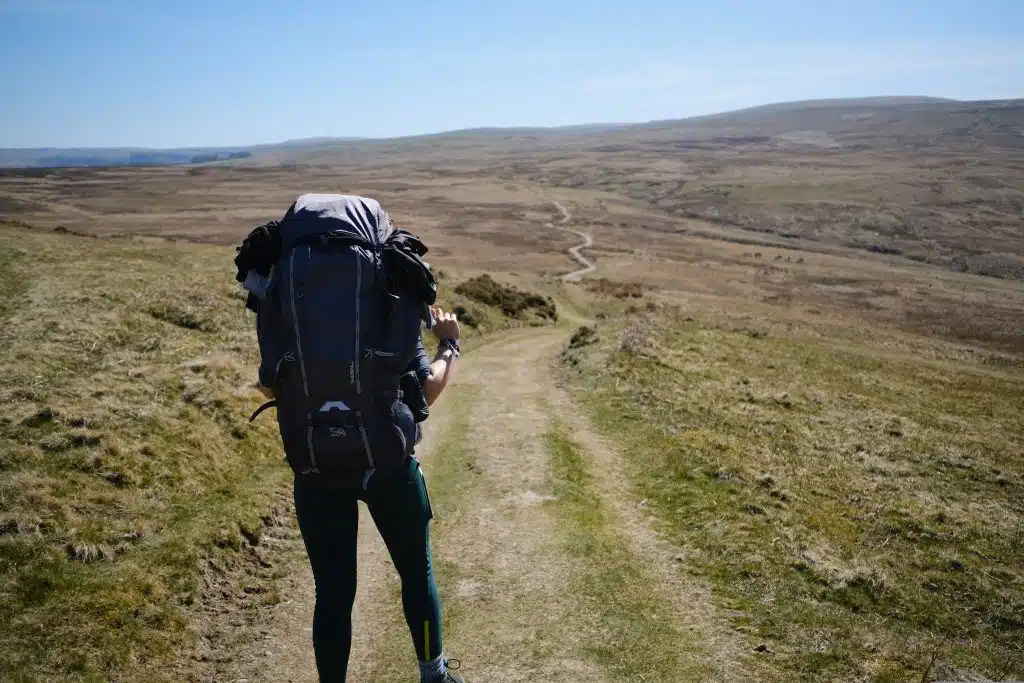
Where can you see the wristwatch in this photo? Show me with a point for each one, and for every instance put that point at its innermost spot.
(452, 344)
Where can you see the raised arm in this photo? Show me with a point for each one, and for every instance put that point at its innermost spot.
(442, 368)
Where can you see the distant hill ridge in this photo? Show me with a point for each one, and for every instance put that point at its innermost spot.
(912, 114)
(115, 156)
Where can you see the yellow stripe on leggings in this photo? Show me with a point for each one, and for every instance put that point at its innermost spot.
(426, 640)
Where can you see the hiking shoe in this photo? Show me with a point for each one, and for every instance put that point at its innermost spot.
(450, 677)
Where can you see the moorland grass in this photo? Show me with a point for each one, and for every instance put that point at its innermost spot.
(125, 455)
(858, 508)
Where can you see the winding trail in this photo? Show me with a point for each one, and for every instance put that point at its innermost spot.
(574, 252)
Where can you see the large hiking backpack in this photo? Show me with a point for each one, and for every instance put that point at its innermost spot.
(339, 301)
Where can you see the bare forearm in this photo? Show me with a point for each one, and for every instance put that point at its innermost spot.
(442, 369)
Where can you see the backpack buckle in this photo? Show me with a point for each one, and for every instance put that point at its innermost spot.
(334, 405)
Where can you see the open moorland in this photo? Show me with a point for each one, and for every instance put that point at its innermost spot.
(754, 405)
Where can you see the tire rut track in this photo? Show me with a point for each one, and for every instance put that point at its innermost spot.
(508, 574)
(688, 600)
(524, 605)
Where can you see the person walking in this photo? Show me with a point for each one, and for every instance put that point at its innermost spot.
(340, 297)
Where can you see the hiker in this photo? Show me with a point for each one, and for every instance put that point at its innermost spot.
(340, 297)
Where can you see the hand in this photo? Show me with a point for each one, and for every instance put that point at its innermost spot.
(266, 391)
(446, 325)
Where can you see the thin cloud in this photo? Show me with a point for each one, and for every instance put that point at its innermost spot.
(789, 66)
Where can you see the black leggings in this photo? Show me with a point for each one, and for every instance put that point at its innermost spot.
(328, 520)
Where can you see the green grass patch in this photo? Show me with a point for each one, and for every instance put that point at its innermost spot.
(630, 614)
(125, 459)
(860, 507)
(451, 474)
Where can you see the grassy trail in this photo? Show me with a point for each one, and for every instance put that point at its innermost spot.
(544, 567)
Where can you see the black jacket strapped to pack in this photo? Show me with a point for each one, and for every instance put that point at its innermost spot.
(256, 257)
(401, 257)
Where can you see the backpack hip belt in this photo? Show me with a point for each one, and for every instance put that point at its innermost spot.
(364, 403)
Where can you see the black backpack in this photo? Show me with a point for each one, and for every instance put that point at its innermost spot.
(339, 295)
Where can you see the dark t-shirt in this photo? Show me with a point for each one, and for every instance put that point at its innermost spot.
(422, 366)
(421, 363)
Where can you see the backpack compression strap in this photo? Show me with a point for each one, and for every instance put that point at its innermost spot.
(340, 239)
(390, 394)
(269, 404)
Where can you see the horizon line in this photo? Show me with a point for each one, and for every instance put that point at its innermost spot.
(525, 127)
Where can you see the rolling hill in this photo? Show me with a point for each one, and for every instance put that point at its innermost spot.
(858, 120)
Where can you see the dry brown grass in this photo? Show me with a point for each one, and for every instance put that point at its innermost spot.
(477, 222)
(930, 182)
(857, 291)
(847, 232)
(960, 210)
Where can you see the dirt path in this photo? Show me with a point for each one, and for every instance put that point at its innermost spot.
(574, 252)
(548, 568)
(509, 576)
(526, 595)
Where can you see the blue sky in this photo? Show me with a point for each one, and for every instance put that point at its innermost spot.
(163, 73)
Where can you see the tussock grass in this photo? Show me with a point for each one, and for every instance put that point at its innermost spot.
(583, 336)
(859, 508)
(127, 464)
(619, 290)
(511, 301)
